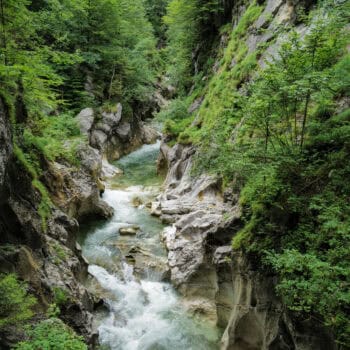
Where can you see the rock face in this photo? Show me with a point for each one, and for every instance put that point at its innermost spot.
(47, 259)
(77, 191)
(215, 282)
(258, 319)
(112, 134)
(196, 208)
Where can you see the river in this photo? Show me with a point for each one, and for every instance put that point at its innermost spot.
(141, 311)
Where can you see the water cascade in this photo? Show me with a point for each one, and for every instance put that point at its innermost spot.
(144, 311)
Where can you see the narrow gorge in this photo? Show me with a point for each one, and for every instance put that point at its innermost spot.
(174, 175)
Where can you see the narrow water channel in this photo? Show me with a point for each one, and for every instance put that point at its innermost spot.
(142, 312)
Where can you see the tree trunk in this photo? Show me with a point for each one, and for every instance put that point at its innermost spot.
(306, 108)
(111, 84)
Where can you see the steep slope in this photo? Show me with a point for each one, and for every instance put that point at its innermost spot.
(44, 256)
(229, 177)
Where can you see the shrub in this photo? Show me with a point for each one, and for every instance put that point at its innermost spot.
(15, 303)
(52, 334)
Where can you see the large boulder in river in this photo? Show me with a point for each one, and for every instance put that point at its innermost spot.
(129, 230)
(105, 126)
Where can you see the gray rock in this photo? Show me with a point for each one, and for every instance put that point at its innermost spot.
(85, 120)
(90, 159)
(98, 139)
(271, 8)
(123, 130)
(222, 254)
(109, 171)
(129, 230)
(149, 134)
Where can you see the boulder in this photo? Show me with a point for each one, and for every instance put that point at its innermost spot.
(90, 159)
(85, 120)
(149, 134)
(129, 230)
(123, 130)
(98, 139)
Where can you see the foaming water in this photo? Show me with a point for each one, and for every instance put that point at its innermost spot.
(144, 314)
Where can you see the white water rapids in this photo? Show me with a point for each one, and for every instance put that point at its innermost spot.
(143, 313)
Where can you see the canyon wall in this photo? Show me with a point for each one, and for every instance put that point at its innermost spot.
(224, 286)
(227, 286)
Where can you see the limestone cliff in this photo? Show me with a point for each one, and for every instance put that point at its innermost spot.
(47, 258)
(228, 287)
(224, 286)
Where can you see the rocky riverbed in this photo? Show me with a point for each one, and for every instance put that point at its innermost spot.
(139, 308)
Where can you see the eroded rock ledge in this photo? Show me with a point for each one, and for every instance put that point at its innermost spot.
(222, 285)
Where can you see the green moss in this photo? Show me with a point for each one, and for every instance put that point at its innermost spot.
(25, 161)
(50, 137)
(61, 296)
(241, 238)
(217, 113)
(249, 17)
(60, 252)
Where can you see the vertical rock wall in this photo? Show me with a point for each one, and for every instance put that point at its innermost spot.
(223, 286)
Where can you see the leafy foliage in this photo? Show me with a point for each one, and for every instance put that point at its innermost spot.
(190, 26)
(280, 135)
(57, 56)
(15, 303)
(295, 148)
(52, 334)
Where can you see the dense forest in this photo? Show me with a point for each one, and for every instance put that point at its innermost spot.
(270, 118)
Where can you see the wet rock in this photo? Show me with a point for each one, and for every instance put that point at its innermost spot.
(136, 202)
(109, 171)
(147, 264)
(129, 230)
(156, 209)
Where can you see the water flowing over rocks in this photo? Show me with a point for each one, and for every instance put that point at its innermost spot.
(129, 262)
